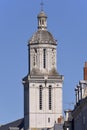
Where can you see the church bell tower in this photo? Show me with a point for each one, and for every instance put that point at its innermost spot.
(43, 84)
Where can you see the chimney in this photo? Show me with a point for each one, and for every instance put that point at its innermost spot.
(68, 115)
(59, 120)
(85, 71)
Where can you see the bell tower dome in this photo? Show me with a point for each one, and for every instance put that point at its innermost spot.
(42, 21)
(42, 47)
(43, 84)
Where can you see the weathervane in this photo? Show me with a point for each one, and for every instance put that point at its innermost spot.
(42, 4)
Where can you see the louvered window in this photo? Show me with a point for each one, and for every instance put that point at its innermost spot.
(44, 58)
(50, 97)
(40, 97)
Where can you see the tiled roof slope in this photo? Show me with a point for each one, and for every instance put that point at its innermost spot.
(18, 123)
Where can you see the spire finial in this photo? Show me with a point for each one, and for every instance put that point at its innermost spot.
(42, 4)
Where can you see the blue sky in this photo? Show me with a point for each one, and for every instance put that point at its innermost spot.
(67, 21)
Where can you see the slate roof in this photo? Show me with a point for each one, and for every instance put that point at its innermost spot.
(18, 123)
(42, 36)
(58, 127)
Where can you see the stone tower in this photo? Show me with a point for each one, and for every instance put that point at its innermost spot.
(43, 84)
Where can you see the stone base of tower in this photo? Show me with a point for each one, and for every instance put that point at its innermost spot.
(43, 120)
(42, 112)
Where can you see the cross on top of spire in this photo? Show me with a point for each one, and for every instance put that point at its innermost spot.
(42, 4)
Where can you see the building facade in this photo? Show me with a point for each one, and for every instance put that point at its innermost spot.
(76, 119)
(43, 84)
(80, 111)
